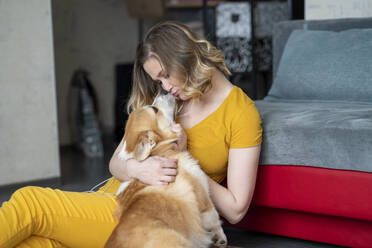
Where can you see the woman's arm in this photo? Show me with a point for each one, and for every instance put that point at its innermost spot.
(118, 168)
(154, 170)
(233, 202)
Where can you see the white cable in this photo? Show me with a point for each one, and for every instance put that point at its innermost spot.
(103, 191)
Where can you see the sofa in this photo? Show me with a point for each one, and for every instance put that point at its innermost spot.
(314, 180)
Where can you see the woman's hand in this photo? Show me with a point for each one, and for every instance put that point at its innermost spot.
(181, 137)
(154, 170)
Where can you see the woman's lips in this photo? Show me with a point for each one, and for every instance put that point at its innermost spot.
(175, 94)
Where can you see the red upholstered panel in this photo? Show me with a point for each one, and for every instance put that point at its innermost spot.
(315, 190)
(315, 227)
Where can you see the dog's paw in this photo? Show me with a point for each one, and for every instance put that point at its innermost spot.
(219, 239)
(218, 242)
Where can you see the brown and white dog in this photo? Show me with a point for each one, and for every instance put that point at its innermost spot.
(180, 214)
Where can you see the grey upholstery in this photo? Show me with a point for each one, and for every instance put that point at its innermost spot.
(334, 132)
(326, 65)
(317, 133)
(282, 30)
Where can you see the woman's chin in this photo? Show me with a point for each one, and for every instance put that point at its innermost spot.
(182, 98)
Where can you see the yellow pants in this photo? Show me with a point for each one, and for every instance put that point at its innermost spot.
(43, 217)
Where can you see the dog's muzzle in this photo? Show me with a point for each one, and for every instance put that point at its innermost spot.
(167, 103)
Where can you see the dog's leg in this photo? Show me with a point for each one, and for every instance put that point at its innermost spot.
(211, 222)
(209, 217)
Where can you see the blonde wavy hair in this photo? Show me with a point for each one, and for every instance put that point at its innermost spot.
(183, 53)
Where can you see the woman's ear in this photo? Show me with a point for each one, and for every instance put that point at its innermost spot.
(145, 142)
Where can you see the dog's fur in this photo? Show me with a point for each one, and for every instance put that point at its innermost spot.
(180, 214)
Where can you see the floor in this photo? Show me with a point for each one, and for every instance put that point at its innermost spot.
(81, 174)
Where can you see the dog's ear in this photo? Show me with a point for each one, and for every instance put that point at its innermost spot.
(145, 142)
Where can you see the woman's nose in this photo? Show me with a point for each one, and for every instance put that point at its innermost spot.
(166, 85)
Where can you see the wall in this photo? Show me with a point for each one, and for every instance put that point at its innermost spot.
(333, 9)
(94, 35)
(28, 125)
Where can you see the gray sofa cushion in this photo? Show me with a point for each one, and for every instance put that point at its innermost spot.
(317, 133)
(325, 65)
(282, 31)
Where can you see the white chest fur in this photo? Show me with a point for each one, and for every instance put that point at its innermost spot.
(192, 167)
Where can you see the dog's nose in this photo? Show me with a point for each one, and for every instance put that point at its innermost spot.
(163, 92)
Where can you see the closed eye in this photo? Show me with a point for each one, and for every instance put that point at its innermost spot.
(155, 109)
(166, 76)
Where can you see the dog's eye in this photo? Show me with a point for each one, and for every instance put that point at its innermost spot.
(155, 109)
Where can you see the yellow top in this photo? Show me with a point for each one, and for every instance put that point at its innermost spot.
(235, 124)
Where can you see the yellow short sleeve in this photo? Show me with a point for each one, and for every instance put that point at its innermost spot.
(246, 129)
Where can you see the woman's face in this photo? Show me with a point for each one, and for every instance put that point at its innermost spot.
(168, 82)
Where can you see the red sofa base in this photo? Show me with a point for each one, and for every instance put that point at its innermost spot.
(312, 203)
(308, 226)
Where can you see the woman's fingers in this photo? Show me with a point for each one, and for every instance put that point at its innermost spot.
(176, 127)
(167, 179)
(181, 136)
(169, 163)
(170, 172)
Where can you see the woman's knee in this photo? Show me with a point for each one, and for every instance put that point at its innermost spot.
(26, 191)
(27, 197)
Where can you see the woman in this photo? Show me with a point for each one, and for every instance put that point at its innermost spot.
(217, 123)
